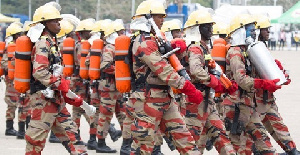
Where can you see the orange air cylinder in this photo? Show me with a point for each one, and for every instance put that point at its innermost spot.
(95, 59)
(23, 64)
(2, 47)
(84, 71)
(11, 48)
(219, 52)
(175, 63)
(122, 70)
(68, 56)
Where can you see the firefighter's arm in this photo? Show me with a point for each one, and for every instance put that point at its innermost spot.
(4, 60)
(237, 66)
(196, 56)
(149, 54)
(87, 59)
(41, 66)
(77, 51)
(107, 63)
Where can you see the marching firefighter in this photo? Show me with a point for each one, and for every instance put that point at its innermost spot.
(79, 79)
(111, 99)
(204, 119)
(240, 115)
(265, 100)
(68, 25)
(49, 90)
(11, 98)
(151, 78)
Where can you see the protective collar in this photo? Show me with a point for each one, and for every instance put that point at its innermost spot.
(35, 32)
(95, 35)
(111, 38)
(8, 40)
(238, 37)
(141, 24)
(169, 36)
(192, 34)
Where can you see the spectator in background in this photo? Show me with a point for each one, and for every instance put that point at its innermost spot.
(288, 36)
(297, 39)
(282, 39)
(273, 41)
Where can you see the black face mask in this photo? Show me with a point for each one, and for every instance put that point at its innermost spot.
(206, 31)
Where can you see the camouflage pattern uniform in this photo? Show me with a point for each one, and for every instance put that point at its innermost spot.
(49, 114)
(271, 119)
(154, 107)
(111, 99)
(205, 115)
(79, 87)
(248, 120)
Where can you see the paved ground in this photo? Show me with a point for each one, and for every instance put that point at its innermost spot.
(286, 100)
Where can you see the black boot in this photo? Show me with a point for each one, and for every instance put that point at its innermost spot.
(92, 143)
(294, 151)
(21, 132)
(53, 138)
(157, 150)
(27, 121)
(114, 133)
(126, 147)
(103, 148)
(10, 131)
(170, 144)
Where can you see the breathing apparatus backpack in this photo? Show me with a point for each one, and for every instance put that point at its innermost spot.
(68, 56)
(2, 47)
(22, 74)
(95, 59)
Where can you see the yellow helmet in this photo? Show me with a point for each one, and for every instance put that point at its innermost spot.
(199, 17)
(86, 25)
(44, 13)
(262, 21)
(240, 21)
(101, 25)
(150, 7)
(113, 27)
(26, 26)
(66, 28)
(170, 25)
(220, 28)
(14, 28)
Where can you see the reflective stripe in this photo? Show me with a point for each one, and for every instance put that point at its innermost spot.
(11, 69)
(22, 80)
(84, 50)
(219, 58)
(124, 78)
(68, 48)
(83, 68)
(69, 66)
(122, 51)
(96, 50)
(24, 53)
(94, 69)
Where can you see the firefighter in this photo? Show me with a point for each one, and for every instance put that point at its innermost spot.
(265, 100)
(11, 98)
(111, 99)
(48, 88)
(151, 75)
(240, 115)
(68, 25)
(204, 119)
